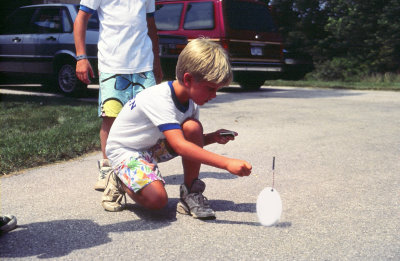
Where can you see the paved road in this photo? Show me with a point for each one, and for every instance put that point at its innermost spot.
(337, 171)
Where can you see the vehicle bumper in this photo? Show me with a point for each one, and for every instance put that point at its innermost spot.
(257, 67)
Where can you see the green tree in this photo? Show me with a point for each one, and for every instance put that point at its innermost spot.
(388, 37)
(301, 23)
(362, 37)
(347, 38)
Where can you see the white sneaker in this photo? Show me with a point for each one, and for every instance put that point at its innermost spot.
(104, 171)
(113, 194)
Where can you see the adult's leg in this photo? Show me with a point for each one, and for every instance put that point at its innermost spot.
(104, 131)
(104, 165)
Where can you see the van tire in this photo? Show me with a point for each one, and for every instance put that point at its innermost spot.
(249, 82)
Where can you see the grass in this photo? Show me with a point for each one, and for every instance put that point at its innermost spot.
(34, 134)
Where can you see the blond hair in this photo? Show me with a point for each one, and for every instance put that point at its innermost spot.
(204, 60)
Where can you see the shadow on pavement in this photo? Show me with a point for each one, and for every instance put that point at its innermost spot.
(225, 205)
(236, 93)
(230, 222)
(60, 237)
(178, 178)
(166, 214)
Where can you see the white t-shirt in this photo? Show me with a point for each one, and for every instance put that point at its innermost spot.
(142, 120)
(124, 46)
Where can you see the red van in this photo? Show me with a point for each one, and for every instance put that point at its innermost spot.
(244, 28)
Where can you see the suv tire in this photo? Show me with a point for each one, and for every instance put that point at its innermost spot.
(67, 81)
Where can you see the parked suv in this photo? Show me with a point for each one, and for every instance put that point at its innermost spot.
(243, 27)
(38, 39)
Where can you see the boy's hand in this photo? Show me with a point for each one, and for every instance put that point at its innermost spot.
(239, 167)
(223, 136)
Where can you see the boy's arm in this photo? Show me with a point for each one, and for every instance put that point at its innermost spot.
(193, 152)
(83, 67)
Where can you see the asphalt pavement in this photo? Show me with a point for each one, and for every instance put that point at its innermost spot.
(337, 171)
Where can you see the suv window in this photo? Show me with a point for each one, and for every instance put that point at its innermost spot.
(249, 16)
(47, 20)
(18, 22)
(168, 16)
(93, 23)
(67, 25)
(199, 16)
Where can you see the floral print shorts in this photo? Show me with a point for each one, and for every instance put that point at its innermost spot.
(140, 169)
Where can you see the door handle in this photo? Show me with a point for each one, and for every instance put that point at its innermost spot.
(16, 40)
(51, 38)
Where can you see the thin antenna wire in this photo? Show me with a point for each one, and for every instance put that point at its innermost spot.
(273, 172)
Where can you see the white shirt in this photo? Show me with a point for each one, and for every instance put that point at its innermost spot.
(124, 46)
(142, 120)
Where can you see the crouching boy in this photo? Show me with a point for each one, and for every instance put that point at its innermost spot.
(163, 122)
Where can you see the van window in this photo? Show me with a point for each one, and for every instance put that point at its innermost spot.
(168, 16)
(199, 16)
(249, 16)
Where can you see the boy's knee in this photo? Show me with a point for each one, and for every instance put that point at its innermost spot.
(157, 201)
(153, 196)
(192, 129)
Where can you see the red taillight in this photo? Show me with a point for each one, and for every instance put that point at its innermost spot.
(225, 44)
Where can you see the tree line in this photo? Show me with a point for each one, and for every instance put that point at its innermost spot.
(347, 39)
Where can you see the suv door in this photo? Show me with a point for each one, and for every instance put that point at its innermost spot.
(12, 37)
(40, 47)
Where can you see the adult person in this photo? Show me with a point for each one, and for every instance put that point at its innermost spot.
(128, 59)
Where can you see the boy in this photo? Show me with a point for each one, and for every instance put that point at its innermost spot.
(161, 123)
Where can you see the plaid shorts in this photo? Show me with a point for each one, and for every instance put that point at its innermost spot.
(117, 89)
(140, 169)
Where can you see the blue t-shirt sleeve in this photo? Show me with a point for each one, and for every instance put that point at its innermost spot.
(169, 126)
(86, 9)
(150, 14)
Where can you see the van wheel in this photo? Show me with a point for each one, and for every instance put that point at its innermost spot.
(67, 81)
(249, 82)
